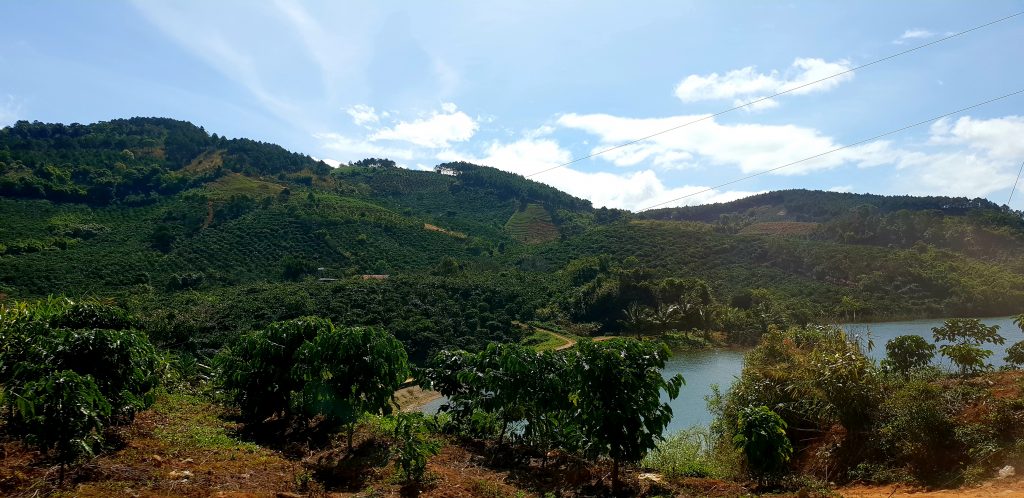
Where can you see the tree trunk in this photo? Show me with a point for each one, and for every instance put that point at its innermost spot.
(615, 477)
(351, 429)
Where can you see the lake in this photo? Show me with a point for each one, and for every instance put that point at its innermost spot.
(703, 369)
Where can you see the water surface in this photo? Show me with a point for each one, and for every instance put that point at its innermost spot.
(702, 369)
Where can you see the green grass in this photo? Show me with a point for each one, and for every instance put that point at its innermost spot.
(236, 184)
(194, 424)
(693, 452)
(542, 340)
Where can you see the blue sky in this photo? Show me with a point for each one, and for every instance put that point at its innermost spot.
(524, 86)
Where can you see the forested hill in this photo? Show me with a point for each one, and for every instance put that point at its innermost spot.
(156, 211)
(820, 206)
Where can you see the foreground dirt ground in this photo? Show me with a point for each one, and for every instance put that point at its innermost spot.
(1001, 487)
(187, 446)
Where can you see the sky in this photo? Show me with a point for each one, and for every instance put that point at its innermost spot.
(525, 86)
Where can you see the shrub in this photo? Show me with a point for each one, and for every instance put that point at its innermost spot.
(256, 371)
(618, 390)
(915, 431)
(966, 335)
(88, 338)
(761, 434)
(348, 372)
(906, 353)
(62, 412)
(1015, 354)
(414, 445)
(308, 367)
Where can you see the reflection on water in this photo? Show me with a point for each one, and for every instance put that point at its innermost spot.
(701, 370)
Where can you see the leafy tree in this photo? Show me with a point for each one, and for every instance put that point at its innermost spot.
(348, 372)
(88, 338)
(761, 434)
(62, 412)
(618, 388)
(907, 352)
(966, 336)
(415, 446)
(256, 371)
(1015, 354)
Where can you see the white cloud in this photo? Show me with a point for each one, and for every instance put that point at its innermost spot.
(437, 131)
(841, 188)
(913, 34)
(751, 147)
(363, 115)
(355, 149)
(747, 84)
(334, 163)
(968, 156)
(633, 190)
(999, 138)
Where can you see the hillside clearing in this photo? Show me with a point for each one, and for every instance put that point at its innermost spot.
(532, 225)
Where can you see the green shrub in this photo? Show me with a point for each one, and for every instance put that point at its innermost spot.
(906, 353)
(414, 445)
(966, 336)
(62, 412)
(345, 373)
(308, 367)
(693, 452)
(256, 371)
(618, 387)
(915, 430)
(88, 338)
(761, 435)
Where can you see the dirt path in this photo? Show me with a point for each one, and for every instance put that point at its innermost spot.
(413, 397)
(1010, 487)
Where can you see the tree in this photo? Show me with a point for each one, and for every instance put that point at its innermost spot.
(966, 335)
(761, 434)
(907, 352)
(63, 412)
(348, 372)
(1015, 353)
(638, 318)
(414, 446)
(618, 388)
(256, 371)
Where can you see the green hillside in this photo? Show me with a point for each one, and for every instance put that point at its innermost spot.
(531, 225)
(152, 210)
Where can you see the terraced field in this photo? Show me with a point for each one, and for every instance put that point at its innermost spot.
(532, 225)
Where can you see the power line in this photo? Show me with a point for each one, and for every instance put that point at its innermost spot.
(876, 137)
(1014, 189)
(752, 102)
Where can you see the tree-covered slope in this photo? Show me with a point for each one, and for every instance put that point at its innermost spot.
(151, 206)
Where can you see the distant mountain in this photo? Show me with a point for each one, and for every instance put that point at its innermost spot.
(154, 206)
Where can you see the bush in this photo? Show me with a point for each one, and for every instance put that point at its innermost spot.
(915, 430)
(966, 335)
(88, 338)
(256, 371)
(906, 353)
(694, 452)
(308, 367)
(62, 412)
(761, 434)
(414, 446)
(345, 373)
